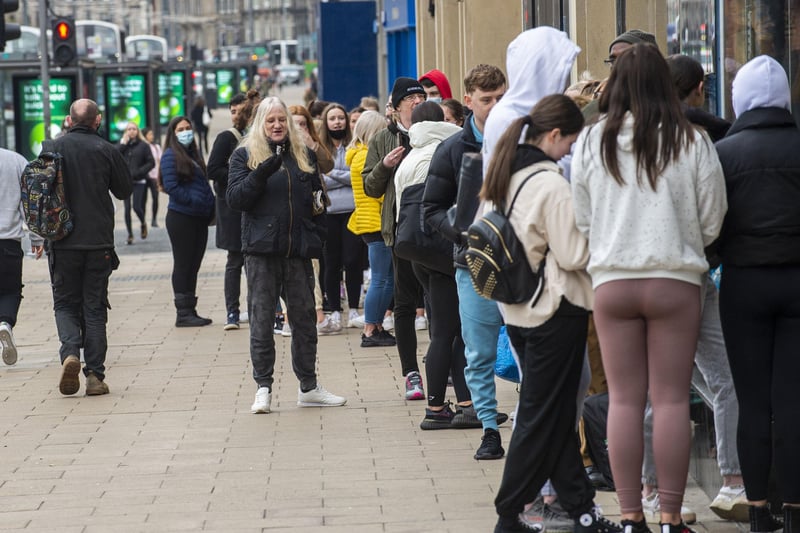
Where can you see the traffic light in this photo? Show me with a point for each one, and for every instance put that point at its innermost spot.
(8, 32)
(65, 44)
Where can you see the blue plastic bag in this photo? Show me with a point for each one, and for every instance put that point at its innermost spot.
(505, 367)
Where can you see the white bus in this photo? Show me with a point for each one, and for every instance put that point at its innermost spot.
(283, 52)
(100, 41)
(146, 47)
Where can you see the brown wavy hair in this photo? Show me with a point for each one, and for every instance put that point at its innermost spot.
(641, 83)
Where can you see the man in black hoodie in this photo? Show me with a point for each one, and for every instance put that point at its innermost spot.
(81, 263)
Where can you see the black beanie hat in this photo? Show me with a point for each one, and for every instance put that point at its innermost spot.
(634, 37)
(404, 87)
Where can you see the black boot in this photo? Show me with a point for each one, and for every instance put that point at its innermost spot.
(763, 521)
(187, 315)
(791, 519)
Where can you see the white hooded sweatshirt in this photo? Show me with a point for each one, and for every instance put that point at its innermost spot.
(424, 138)
(538, 63)
(761, 82)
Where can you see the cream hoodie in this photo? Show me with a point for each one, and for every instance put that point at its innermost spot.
(635, 232)
(542, 217)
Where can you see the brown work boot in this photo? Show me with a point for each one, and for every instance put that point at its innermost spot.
(70, 370)
(94, 386)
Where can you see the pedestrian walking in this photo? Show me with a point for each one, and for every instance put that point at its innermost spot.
(81, 263)
(152, 176)
(136, 151)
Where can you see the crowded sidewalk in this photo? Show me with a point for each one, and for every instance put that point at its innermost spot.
(174, 447)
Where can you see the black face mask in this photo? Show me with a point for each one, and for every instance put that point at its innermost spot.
(337, 135)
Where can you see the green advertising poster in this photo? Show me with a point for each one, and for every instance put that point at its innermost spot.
(126, 101)
(225, 86)
(29, 116)
(171, 91)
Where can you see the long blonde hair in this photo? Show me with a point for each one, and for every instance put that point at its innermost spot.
(368, 124)
(257, 143)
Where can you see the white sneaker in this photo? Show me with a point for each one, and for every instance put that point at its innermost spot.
(388, 322)
(7, 346)
(651, 507)
(420, 323)
(731, 504)
(354, 320)
(329, 326)
(244, 317)
(261, 405)
(287, 330)
(319, 397)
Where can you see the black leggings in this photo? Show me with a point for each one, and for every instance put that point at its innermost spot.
(139, 198)
(760, 314)
(343, 250)
(152, 185)
(188, 236)
(446, 350)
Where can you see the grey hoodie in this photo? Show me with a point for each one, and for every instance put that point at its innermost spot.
(11, 214)
(539, 62)
(761, 82)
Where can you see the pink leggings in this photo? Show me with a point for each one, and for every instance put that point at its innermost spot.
(648, 331)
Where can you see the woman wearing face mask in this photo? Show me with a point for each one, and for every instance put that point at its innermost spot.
(191, 207)
(274, 181)
(135, 150)
(344, 251)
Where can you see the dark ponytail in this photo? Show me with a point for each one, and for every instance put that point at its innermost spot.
(555, 111)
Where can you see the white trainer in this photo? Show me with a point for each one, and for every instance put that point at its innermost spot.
(261, 405)
(731, 504)
(388, 322)
(651, 507)
(287, 330)
(354, 320)
(244, 317)
(8, 347)
(420, 323)
(319, 397)
(329, 326)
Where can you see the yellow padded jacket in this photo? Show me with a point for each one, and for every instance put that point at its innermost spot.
(366, 217)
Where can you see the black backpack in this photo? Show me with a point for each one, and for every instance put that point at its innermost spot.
(43, 198)
(496, 260)
(415, 240)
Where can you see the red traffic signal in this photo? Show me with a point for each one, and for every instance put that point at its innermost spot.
(65, 45)
(63, 31)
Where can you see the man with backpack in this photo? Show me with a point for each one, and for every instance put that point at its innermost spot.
(81, 262)
(11, 232)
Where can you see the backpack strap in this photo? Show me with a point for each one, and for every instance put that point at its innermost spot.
(519, 189)
(236, 134)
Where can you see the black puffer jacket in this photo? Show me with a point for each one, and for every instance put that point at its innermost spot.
(139, 158)
(276, 201)
(441, 187)
(761, 161)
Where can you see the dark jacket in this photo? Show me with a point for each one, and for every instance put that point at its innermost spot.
(196, 115)
(761, 162)
(229, 221)
(276, 200)
(92, 168)
(441, 187)
(715, 126)
(139, 158)
(189, 197)
(379, 179)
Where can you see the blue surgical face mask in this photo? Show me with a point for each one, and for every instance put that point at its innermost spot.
(185, 137)
(435, 99)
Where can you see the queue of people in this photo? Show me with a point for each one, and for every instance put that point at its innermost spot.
(627, 193)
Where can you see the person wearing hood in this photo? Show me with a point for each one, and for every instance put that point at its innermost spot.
(539, 62)
(759, 296)
(436, 86)
(649, 196)
(387, 149)
(445, 354)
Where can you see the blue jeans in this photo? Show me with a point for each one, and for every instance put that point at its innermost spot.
(711, 377)
(480, 326)
(381, 285)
